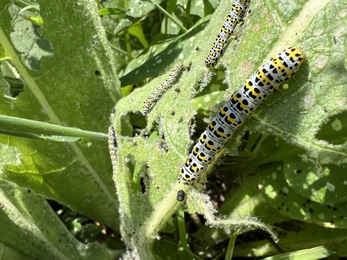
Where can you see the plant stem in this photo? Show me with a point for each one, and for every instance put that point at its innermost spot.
(24, 127)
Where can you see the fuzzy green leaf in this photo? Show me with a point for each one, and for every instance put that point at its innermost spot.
(295, 115)
(70, 80)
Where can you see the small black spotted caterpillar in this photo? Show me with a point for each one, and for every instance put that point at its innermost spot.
(112, 147)
(234, 17)
(160, 90)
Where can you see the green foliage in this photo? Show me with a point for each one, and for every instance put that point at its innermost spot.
(68, 83)
(285, 167)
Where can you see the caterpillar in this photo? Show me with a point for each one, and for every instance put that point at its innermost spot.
(112, 147)
(160, 90)
(180, 195)
(233, 113)
(236, 14)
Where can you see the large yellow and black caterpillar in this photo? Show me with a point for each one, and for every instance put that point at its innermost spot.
(233, 113)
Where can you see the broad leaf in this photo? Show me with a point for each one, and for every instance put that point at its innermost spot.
(295, 114)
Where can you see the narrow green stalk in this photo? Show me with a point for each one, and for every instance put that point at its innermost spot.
(170, 16)
(231, 245)
(182, 233)
(23, 127)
